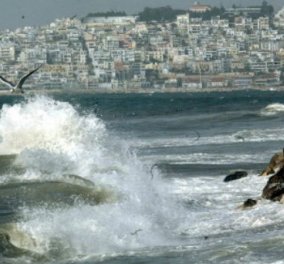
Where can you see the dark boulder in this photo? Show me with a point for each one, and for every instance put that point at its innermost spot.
(274, 189)
(235, 176)
(249, 203)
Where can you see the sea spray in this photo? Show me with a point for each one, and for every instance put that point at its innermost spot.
(45, 123)
(51, 139)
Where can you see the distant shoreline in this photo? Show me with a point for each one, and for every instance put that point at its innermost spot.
(145, 91)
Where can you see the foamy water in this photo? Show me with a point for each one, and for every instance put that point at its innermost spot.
(51, 139)
(149, 216)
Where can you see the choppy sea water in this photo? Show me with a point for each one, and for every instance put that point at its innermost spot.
(101, 178)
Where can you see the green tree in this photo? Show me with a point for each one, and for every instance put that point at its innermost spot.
(151, 75)
(160, 14)
(266, 9)
(282, 76)
(107, 14)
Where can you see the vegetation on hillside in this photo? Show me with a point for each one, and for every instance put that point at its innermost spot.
(168, 14)
(160, 14)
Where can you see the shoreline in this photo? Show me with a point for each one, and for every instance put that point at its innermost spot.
(146, 90)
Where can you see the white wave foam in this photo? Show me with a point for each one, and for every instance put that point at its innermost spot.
(272, 109)
(214, 205)
(52, 138)
(44, 123)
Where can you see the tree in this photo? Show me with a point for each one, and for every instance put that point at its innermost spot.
(266, 10)
(107, 14)
(160, 14)
(151, 75)
(179, 82)
(282, 76)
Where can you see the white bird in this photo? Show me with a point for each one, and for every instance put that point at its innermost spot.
(19, 86)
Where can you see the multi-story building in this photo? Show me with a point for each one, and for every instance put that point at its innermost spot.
(116, 52)
(7, 51)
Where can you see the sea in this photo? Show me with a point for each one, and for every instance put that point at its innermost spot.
(139, 178)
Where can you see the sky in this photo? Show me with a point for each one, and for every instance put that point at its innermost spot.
(19, 13)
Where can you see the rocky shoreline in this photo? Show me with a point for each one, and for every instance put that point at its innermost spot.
(274, 188)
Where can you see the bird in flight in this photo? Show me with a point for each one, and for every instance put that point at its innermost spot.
(15, 88)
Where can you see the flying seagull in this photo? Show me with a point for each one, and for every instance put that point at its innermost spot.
(19, 86)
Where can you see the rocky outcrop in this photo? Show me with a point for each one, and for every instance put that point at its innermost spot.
(274, 189)
(276, 163)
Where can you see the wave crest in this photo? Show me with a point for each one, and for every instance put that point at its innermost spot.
(43, 123)
(272, 109)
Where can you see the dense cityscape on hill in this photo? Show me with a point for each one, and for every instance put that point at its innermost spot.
(160, 49)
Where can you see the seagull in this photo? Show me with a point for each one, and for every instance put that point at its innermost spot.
(15, 88)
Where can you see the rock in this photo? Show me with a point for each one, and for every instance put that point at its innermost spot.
(274, 189)
(276, 163)
(235, 176)
(249, 203)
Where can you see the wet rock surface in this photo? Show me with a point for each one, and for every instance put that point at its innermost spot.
(235, 176)
(274, 189)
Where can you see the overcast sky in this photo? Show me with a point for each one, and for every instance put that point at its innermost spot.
(18, 13)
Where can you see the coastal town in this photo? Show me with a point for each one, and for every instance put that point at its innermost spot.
(121, 53)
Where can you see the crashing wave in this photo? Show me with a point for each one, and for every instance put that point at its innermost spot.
(272, 109)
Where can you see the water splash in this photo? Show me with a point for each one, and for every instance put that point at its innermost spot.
(50, 139)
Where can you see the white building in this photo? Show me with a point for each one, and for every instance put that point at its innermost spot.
(182, 21)
(7, 52)
(279, 18)
(117, 20)
(200, 8)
